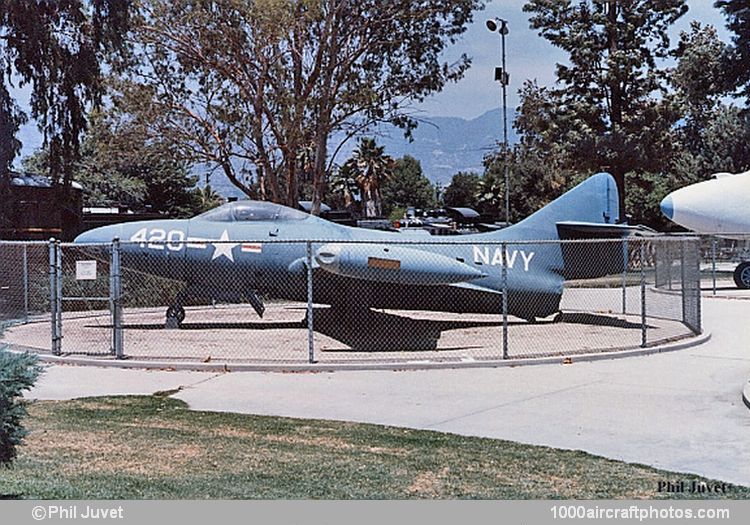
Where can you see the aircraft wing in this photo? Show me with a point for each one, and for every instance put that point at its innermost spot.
(391, 264)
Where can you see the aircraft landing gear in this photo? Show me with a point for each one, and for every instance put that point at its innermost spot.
(175, 316)
(742, 275)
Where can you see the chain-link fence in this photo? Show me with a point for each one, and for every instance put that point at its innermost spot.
(725, 263)
(25, 289)
(405, 301)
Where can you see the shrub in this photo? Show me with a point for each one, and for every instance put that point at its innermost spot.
(18, 372)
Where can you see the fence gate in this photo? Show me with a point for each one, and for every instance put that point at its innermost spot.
(86, 309)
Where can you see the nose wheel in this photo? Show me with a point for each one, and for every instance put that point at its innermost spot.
(175, 314)
(742, 275)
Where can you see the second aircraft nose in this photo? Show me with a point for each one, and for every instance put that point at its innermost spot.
(667, 207)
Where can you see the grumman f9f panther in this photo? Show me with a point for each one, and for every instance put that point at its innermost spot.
(720, 206)
(253, 249)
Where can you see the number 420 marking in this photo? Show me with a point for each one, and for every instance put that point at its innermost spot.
(157, 239)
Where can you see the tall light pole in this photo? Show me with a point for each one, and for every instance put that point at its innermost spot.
(501, 75)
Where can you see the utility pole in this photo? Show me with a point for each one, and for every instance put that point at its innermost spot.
(502, 76)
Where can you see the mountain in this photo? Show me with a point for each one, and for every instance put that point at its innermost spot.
(444, 145)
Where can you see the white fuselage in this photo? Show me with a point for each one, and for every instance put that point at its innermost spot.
(717, 206)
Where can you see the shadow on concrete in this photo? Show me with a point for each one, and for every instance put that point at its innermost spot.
(372, 331)
(365, 330)
(597, 320)
(359, 331)
(248, 325)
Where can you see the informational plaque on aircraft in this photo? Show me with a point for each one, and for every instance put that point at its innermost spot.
(85, 270)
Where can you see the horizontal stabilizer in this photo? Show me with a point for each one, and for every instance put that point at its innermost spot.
(568, 230)
(585, 260)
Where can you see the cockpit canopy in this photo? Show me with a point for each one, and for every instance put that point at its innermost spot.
(241, 211)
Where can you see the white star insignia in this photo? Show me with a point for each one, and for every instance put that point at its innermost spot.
(224, 248)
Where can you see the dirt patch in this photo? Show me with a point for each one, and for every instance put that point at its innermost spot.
(428, 484)
(101, 451)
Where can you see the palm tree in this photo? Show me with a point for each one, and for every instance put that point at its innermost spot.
(370, 167)
(344, 187)
(490, 196)
(206, 198)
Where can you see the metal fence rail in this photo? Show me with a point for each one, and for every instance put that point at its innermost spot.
(411, 303)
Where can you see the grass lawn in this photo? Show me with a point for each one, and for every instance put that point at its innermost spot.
(154, 447)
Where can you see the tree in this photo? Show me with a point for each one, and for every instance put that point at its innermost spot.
(407, 187)
(121, 166)
(206, 199)
(246, 85)
(712, 135)
(608, 113)
(370, 167)
(343, 187)
(535, 181)
(18, 372)
(737, 57)
(462, 190)
(58, 48)
(699, 77)
(490, 197)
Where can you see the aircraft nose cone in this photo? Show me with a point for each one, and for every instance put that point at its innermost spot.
(667, 207)
(101, 234)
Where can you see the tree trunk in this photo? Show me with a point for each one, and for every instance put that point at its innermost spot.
(292, 186)
(618, 172)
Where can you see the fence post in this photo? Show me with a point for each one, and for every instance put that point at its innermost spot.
(644, 329)
(698, 294)
(713, 264)
(683, 291)
(310, 331)
(58, 298)
(53, 295)
(504, 248)
(670, 258)
(624, 275)
(115, 300)
(59, 294)
(25, 285)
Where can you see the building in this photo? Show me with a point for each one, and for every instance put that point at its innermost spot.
(35, 209)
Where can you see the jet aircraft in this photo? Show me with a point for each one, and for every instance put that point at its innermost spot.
(258, 249)
(719, 207)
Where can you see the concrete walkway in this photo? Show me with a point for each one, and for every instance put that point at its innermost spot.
(680, 411)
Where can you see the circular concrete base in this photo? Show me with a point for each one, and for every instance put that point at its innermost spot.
(232, 335)
(725, 289)
(330, 367)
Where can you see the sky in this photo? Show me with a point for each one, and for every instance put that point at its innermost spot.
(528, 57)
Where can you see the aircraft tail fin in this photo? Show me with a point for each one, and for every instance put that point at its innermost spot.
(594, 201)
(588, 211)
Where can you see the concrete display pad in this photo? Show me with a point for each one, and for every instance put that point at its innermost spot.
(234, 334)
